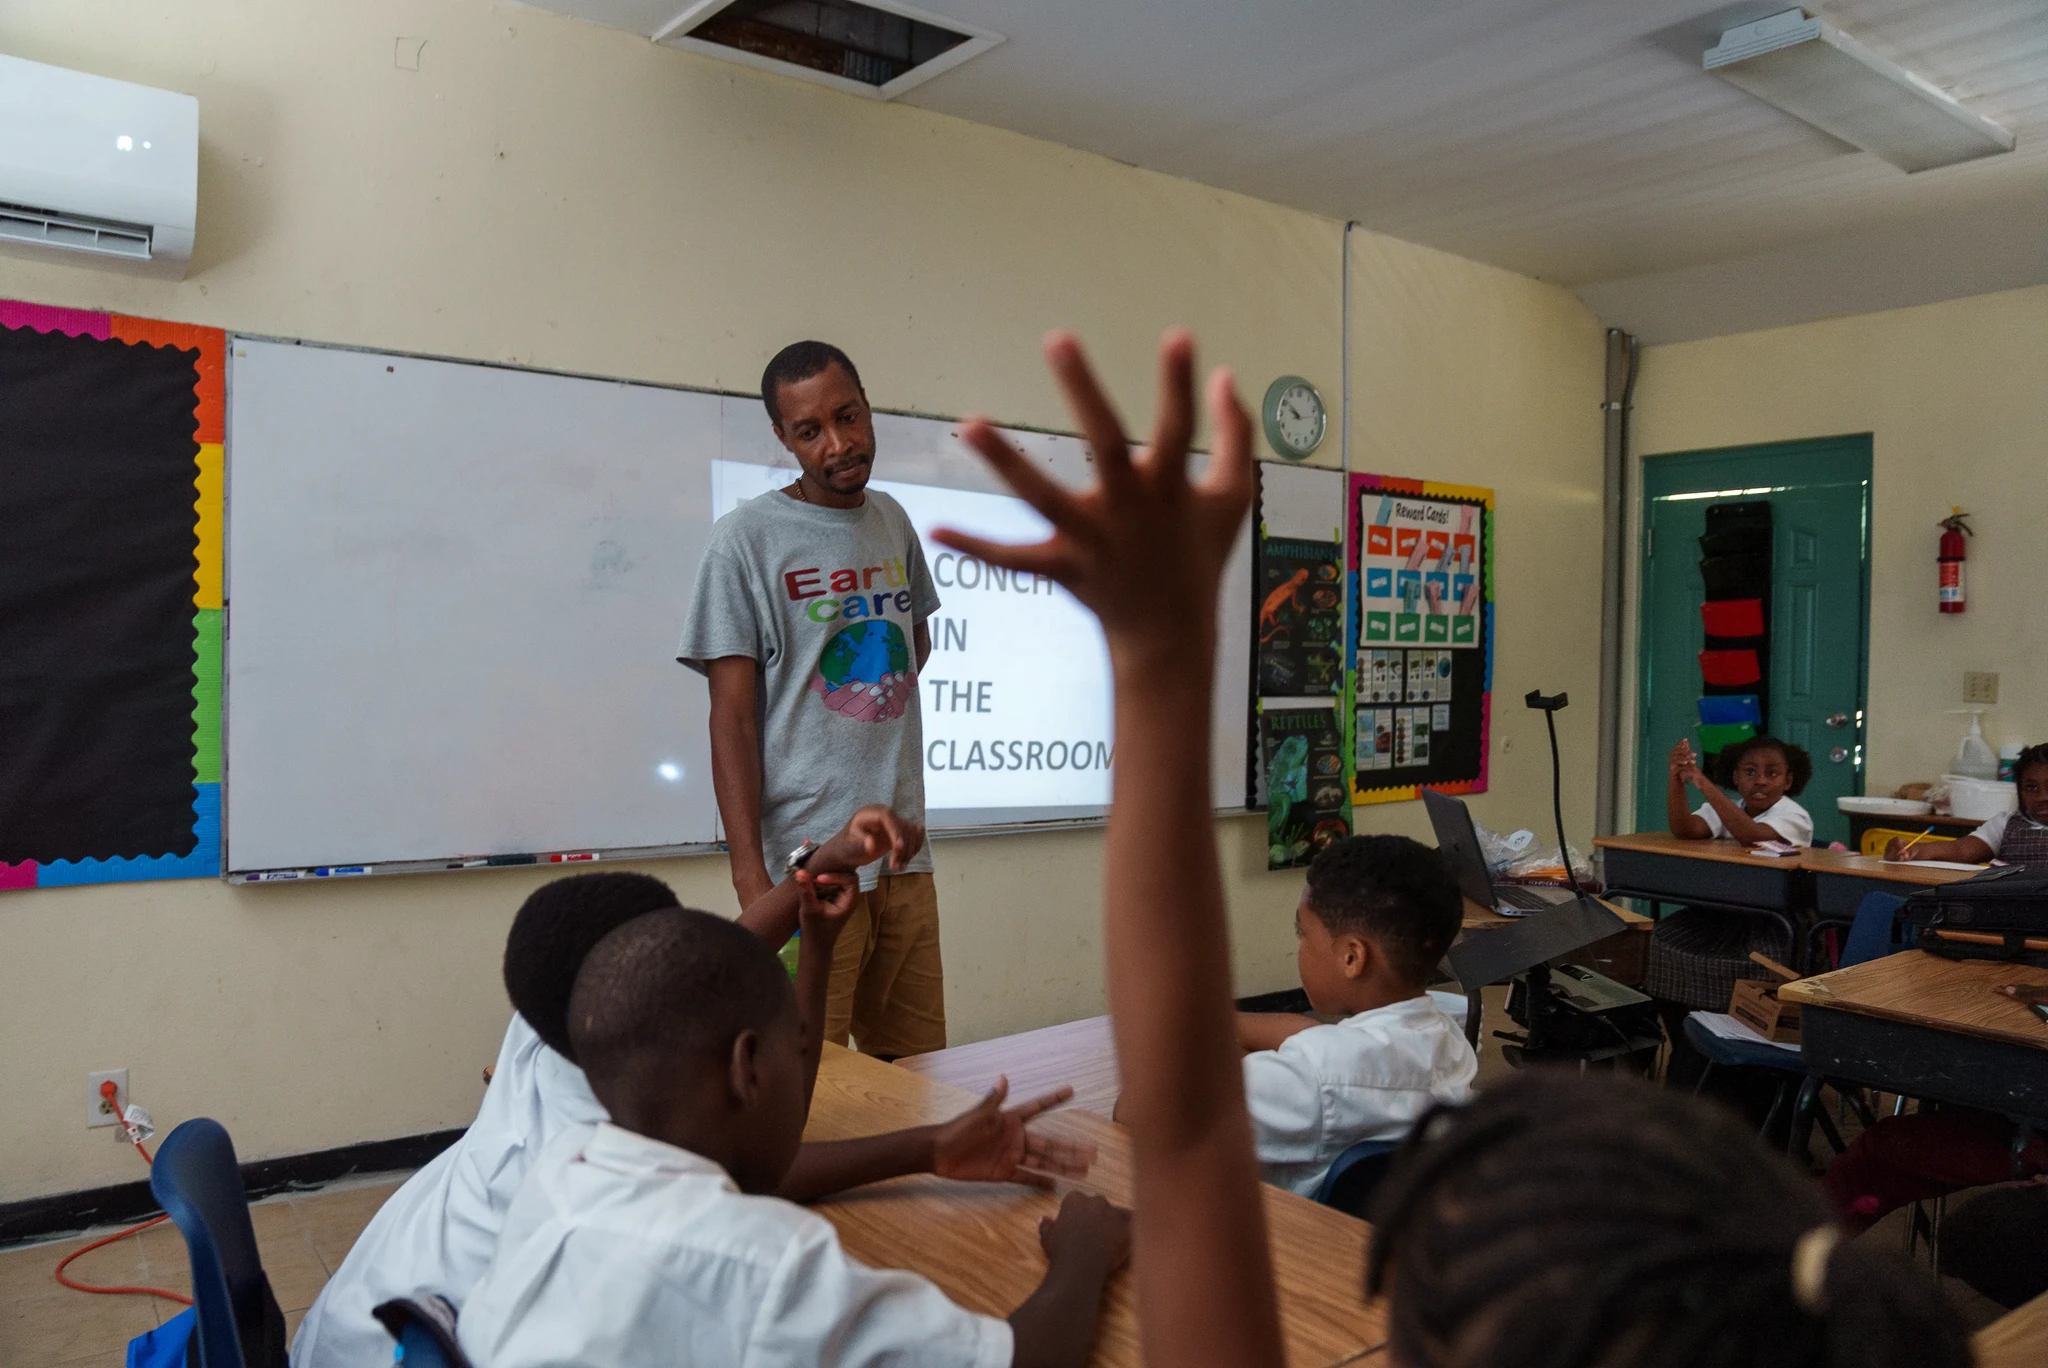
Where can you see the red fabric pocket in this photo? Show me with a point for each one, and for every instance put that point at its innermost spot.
(1733, 617)
(1725, 668)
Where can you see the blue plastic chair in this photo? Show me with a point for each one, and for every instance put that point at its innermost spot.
(424, 1327)
(1871, 936)
(1355, 1174)
(196, 1179)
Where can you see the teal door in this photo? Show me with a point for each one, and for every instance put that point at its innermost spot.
(1819, 492)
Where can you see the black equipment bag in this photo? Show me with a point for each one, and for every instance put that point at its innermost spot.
(2008, 903)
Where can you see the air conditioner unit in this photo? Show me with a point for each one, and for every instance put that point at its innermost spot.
(96, 171)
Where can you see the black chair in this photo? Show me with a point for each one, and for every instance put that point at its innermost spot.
(424, 1327)
(237, 1323)
(1355, 1174)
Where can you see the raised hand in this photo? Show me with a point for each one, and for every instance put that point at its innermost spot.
(987, 1144)
(824, 902)
(872, 832)
(1143, 547)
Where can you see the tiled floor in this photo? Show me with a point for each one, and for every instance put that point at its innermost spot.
(44, 1324)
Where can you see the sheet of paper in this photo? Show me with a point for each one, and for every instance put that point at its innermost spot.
(1939, 864)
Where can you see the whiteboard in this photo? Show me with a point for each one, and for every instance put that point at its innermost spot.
(454, 592)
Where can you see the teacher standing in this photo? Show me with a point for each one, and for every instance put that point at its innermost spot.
(809, 622)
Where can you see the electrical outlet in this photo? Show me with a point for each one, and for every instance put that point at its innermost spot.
(1980, 686)
(99, 1111)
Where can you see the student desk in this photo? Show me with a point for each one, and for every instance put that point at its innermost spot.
(1928, 1027)
(979, 1242)
(1840, 879)
(2018, 1339)
(1077, 1054)
(1659, 867)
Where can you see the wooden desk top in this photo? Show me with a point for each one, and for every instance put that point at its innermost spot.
(1664, 843)
(1078, 1054)
(1927, 990)
(979, 1242)
(1870, 867)
(2018, 1339)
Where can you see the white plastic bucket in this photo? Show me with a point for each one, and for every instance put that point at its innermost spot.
(1980, 799)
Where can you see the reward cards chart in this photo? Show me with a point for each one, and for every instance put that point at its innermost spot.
(1308, 801)
(1419, 571)
(1300, 624)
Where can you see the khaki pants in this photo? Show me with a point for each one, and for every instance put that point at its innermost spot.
(888, 987)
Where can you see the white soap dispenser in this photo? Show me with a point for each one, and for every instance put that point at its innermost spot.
(1974, 757)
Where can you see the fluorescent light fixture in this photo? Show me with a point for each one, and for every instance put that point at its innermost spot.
(876, 48)
(1815, 72)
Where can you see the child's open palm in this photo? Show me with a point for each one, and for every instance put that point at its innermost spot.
(988, 1144)
(1144, 540)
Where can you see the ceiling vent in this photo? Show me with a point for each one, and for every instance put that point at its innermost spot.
(878, 49)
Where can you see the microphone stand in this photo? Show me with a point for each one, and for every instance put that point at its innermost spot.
(1538, 980)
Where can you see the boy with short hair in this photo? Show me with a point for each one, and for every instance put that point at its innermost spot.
(437, 1232)
(1377, 915)
(650, 1238)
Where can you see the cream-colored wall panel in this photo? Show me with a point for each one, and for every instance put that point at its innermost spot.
(1955, 397)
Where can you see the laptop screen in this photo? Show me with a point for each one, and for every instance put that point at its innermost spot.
(1459, 844)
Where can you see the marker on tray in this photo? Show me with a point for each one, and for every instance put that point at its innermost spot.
(278, 875)
(338, 871)
(496, 860)
(468, 862)
(574, 857)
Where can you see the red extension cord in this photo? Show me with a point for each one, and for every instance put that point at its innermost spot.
(107, 1090)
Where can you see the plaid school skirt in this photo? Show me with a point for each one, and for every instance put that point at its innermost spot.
(1697, 953)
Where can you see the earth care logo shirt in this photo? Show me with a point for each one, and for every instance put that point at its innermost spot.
(826, 602)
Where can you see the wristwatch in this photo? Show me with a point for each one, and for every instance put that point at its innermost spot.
(798, 856)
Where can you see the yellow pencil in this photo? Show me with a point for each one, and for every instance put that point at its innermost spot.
(1915, 841)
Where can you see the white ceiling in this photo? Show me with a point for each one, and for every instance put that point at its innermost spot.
(1577, 141)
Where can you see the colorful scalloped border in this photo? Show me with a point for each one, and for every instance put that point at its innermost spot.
(208, 508)
(1354, 537)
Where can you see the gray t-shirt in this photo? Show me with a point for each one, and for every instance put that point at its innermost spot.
(825, 601)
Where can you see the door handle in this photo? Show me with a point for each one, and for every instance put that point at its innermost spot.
(1838, 719)
(1838, 754)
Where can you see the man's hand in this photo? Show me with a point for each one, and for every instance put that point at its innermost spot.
(823, 903)
(1087, 1226)
(1143, 536)
(990, 1145)
(2029, 993)
(872, 832)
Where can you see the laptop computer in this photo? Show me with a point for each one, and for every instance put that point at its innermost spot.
(1459, 844)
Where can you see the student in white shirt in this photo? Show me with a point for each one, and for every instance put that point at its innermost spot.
(1377, 915)
(437, 1232)
(651, 1239)
(1765, 771)
(2015, 837)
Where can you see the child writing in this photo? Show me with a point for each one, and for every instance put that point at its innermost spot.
(436, 1233)
(1377, 915)
(1145, 535)
(2015, 837)
(1766, 772)
(653, 1238)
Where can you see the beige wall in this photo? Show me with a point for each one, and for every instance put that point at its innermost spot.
(1955, 396)
(554, 194)
(1467, 374)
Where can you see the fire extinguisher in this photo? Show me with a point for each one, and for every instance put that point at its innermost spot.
(1950, 558)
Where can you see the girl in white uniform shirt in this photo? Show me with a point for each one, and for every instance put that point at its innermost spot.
(1766, 772)
(2014, 837)
(438, 1231)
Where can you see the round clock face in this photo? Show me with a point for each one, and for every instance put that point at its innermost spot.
(1294, 417)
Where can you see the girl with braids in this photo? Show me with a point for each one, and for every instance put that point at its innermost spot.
(1564, 1221)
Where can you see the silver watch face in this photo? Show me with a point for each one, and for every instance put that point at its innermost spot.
(799, 855)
